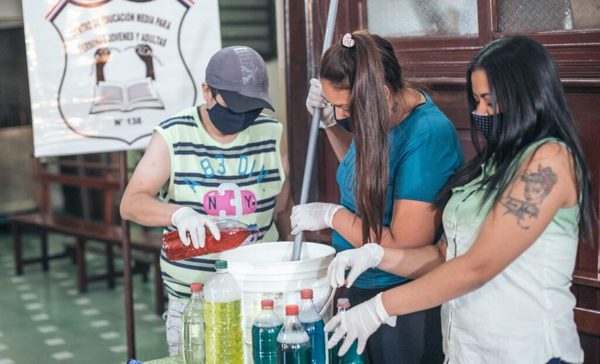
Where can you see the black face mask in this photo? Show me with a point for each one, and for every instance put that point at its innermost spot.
(229, 122)
(345, 123)
(486, 124)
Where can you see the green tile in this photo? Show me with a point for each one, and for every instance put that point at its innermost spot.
(45, 320)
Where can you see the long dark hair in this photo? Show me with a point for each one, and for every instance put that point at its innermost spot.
(525, 84)
(364, 69)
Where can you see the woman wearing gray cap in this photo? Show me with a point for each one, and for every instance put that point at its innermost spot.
(220, 159)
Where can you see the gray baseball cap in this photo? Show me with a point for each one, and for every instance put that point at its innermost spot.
(240, 75)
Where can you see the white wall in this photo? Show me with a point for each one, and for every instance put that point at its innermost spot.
(276, 69)
(10, 13)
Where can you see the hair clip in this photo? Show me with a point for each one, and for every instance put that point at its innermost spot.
(347, 40)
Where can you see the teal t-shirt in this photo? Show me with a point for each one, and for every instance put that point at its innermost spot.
(424, 151)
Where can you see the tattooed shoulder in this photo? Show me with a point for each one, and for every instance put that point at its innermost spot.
(537, 185)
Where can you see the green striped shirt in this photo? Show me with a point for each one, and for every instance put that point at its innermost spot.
(239, 180)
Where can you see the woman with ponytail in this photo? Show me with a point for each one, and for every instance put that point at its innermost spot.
(399, 153)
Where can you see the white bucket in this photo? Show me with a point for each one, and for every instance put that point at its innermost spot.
(265, 270)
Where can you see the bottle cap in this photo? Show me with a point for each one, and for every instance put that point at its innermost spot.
(343, 303)
(306, 293)
(221, 264)
(291, 310)
(266, 304)
(196, 287)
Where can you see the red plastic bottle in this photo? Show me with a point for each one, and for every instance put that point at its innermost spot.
(233, 234)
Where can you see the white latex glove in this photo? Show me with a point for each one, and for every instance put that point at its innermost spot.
(315, 99)
(358, 323)
(357, 260)
(313, 216)
(185, 219)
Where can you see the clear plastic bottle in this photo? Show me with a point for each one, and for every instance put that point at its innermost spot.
(351, 356)
(193, 327)
(314, 326)
(293, 344)
(265, 329)
(233, 234)
(223, 342)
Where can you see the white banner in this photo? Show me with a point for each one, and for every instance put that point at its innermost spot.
(103, 73)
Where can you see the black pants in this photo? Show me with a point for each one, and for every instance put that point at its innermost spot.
(416, 339)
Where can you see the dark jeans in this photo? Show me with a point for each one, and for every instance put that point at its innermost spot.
(557, 361)
(416, 339)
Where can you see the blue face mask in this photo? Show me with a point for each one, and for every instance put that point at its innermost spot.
(485, 123)
(229, 122)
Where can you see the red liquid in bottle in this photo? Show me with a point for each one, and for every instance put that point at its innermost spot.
(230, 238)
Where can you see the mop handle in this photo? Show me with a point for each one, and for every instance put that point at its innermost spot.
(314, 130)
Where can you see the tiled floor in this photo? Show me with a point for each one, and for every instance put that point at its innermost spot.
(43, 319)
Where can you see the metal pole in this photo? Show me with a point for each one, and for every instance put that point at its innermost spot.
(314, 130)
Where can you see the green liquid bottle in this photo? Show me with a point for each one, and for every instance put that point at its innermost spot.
(294, 353)
(351, 356)
(265, 329)
(293, 343)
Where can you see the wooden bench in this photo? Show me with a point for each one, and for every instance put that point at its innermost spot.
(106, 231)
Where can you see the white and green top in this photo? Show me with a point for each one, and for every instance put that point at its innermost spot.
(525, 313)
(238, 180)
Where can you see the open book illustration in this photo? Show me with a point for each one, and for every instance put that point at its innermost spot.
(132, 95)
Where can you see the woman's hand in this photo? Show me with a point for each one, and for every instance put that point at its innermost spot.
(357, 260)
(313, 216)
(358, 323)
(315, 100)
(188, 221)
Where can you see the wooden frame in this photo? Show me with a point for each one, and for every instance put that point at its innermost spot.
(110, 181)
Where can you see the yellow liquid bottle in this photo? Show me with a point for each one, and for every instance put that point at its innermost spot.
(223, 343)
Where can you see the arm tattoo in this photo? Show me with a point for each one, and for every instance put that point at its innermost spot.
(538, 185)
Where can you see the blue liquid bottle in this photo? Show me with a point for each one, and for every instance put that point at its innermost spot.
(293, 344)
(314, 326)
(351, 356)
(265, 329)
